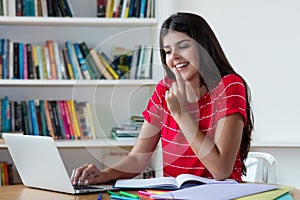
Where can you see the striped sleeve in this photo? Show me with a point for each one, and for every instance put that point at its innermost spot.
(154, 111)
(231, 97)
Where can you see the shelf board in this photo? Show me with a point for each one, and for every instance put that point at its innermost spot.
(105, 142)
(275, 145)
(72, 83)
(78, 21)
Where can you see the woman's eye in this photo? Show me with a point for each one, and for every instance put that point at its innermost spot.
(184, 46)
(167, 51)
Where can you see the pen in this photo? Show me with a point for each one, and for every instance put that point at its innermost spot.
(99, 196)
(129, 195)
(121, 197)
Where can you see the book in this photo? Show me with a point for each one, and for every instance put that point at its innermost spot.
(30, 64)
(73, 59)
(25, 117)
(94, 72)
(109, 65)
(101, 8)
(69, 9)
(35, 60)
(53, 68)
(68, 65)
(102, 69)
(64, 119)
(83, 67)
(50, 128)
(181, 181)
(109, 8)
(122, 58)
(134, 62)
(57, 60)
(70, 123)
(35, 127)
(46, 62)
(44, 127)
(125, 132)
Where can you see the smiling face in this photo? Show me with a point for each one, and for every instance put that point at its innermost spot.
(181, 52)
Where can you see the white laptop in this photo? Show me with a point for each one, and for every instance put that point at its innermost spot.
(39, 164)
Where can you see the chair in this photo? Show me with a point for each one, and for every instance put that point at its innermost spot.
(261, 167)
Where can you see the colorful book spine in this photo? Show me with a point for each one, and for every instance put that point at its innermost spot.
(21, 62)
(72, 60)
(60, 120)
(68, 64)
(48, 120)
(94, 72)
(25, 62)
(75, 119)
(107, 62)
(30, 65)
(57, 61)
(65, 120)
(50, 45)
(46, 61)
(25, 117)
(69, 120)
(40, 61)
(4, 58)
(90, 118)
(43, 118)
(35, 59)
(35, 127)
(100, 66)
(84, 68)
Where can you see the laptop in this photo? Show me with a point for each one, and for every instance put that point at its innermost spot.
(40, 165)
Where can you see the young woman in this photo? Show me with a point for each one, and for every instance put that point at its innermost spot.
(200, 110)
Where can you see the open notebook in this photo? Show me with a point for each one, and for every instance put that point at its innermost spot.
(39, 164)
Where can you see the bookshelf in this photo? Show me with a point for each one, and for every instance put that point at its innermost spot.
(112, 101)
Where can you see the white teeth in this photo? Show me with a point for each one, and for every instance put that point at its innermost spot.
(181, 65)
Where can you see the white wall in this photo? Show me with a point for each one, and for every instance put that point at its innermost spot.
(262, 41)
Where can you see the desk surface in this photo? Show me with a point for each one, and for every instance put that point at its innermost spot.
(19, 192)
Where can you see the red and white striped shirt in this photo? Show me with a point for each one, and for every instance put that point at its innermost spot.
(226, 98)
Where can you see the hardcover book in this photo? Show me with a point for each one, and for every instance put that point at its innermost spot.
(181, 181)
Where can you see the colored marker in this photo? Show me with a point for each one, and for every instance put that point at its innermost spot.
(157, 191)
(121, 197)
(129, 195)
(112, 193)
(141, 192)
(99, 196)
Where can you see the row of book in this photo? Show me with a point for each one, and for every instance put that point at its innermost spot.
(6, 174)
(128, 131)
(125, 8)
(36, 8)
(19, 60)
(60, 119)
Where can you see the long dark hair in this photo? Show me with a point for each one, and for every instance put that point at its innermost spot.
(210, 54)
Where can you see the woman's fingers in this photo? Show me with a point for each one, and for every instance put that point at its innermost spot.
(179, 80)
(83, 174)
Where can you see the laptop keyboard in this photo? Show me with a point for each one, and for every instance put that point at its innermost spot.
(84, 187)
